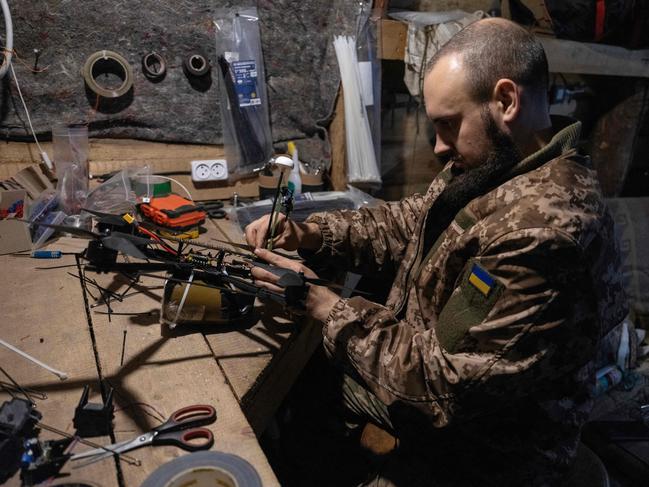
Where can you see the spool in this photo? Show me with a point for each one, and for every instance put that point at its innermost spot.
(154, 67)
(312, 183)
(107, 62)
(196, 64)
(205, 469)
(108, 95)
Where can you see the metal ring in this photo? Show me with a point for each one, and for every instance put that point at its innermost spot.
(107, 62)
(154, 66)
(196, 64)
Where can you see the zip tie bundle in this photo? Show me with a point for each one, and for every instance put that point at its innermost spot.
(361, 159)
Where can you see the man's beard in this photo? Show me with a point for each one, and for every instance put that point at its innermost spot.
(470, 183)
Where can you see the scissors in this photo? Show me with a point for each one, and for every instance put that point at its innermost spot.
(181, 430)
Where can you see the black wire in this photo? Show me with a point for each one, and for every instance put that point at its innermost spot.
(17, 387)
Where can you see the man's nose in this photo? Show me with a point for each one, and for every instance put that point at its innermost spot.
(441, 147)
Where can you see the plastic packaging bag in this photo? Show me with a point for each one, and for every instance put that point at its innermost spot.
(44, 210)
(305, 204)
(71, 161)
(117, 194)
(247, 138)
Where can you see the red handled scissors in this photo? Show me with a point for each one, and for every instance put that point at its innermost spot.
(181, 430)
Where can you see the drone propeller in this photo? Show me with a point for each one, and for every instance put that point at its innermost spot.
(108, 218)
(121, 242)
(82, 232)
(123, 245)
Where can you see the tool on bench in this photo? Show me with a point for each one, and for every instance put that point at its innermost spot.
(181, 430)
(286, 203)
(45, 254)
(173, 211)
(94, 419)
(214, 209)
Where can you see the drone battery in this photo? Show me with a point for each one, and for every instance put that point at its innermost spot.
(173, 211)
(192, 233)
(201, 304)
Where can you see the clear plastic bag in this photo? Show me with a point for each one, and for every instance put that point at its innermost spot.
(45, 209)
(71, 161)
(116, 195)
(247, 138)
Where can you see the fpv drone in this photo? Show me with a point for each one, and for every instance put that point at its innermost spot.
(188, 264)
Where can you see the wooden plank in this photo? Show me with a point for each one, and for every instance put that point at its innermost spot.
(393, 36)
(44, 315)
(216, 190)
(275, 379)
(166, 370)
(337, 140)
(612, 142)
(585, 58)
(107, 155)
(563, 56)
(163, 370)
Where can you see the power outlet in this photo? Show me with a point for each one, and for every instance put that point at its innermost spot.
(209, 170)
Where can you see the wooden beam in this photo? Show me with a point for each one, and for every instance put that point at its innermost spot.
(392, 39)
(563, 56)
(585, 58)
(337, 141)
(109, 155)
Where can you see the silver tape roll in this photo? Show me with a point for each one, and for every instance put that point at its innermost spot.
(205, 469)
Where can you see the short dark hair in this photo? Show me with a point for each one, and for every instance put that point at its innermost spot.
(496, 49)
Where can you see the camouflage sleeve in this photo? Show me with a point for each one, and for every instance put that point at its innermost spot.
(368, 238)
(535, 323)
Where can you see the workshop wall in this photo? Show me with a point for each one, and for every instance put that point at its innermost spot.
(53, 39)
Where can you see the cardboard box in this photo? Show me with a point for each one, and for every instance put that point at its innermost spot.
(14, 235)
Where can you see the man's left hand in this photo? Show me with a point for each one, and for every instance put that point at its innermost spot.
(319, 300)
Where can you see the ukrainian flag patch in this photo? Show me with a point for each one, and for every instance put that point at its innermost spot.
(481, 280)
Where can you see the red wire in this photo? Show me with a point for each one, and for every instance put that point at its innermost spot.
(158, 239)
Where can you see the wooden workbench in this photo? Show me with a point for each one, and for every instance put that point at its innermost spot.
(243, 373)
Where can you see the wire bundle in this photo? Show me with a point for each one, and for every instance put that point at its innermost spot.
(361, 159)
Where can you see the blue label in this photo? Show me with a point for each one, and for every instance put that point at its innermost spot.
(245, 81)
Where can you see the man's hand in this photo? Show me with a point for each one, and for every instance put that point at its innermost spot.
(319, 300)
(289, 235)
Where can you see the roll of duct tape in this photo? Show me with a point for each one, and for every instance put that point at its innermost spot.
(205, 469)
(107, 63)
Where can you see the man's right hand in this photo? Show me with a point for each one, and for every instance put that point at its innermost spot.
(289, 235)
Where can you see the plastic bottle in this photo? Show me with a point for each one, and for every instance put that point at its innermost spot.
(294, 179)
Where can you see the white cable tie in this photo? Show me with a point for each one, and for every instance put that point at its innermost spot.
(47, 161)
(58, 373)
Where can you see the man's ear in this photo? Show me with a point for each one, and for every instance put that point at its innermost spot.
(507, 100)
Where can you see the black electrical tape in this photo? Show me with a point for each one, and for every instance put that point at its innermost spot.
(221, 468)
(196, 64)
(154, 66)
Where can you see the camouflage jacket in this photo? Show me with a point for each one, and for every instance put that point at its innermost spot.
(489, 336)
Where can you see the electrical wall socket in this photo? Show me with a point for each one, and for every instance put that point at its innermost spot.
(209, 170)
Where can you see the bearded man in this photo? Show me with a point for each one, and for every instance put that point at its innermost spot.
(505, 277)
